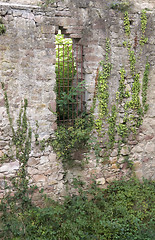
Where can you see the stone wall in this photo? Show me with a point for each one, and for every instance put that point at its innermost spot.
(27, 67)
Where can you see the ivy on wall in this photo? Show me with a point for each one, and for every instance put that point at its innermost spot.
(18, 221)
(133, 108)
(69, 139)
(108, 125)
(18, 193)
(2, 27)
(102, 89)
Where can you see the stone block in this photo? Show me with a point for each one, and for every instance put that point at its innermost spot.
(93, 58)
(100, 181)
(39, 178)
(63, 13)
(138, 149)
(52, 157)
(137, 165)
(33, 162)
(60, 186)
(114, 166)
(2, 184)
(113, 160)
(32, 171)
(53, 106)
(110, 179)
(114, 153)
(124, 151)
(150, 147)
(54, 126)
(44, 159)
(1, 153)
(48, 29)
(76, 35)
(9, 167)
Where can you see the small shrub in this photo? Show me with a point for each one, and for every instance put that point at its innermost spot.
(69, 139)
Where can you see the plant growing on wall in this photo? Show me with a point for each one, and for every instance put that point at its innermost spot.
(125, 210)
(18, 195)
(133, 108)
(2, 27)
(121, 5)
(73, 132)
(143, 39)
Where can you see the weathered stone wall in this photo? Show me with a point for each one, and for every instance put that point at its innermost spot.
(27, 67)
(27, 61)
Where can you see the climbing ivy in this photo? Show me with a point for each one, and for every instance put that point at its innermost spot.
(2, 27)
(122, 93)
(143, 39)
(127, 101)
(21, 137)
(145, 86)
(126, 23)
(18, 194)
(66, 141)
(102, 88)
(69, 140)
(112, 127)
(132, 60)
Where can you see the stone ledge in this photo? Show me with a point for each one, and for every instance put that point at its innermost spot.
(19, 6)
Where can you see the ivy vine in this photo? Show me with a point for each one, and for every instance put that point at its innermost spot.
(102, 88)
(133, 108)
(145, 87)
(126, 24)
(2, 27)
(18, 195)
(143, 39)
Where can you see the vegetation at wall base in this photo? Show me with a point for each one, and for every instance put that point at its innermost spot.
(69, 139)
(125, 210)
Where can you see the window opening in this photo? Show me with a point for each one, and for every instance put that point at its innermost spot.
(69, 79)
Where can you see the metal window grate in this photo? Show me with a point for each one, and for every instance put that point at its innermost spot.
(69, 82)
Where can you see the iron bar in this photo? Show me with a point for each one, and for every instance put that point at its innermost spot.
(69, 75)
(63, 78)
(81, 78)
(77, 76)
(68, 78)
(58, 77)
(72, 83)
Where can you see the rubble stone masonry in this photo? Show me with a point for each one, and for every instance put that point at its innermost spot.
(27, 67)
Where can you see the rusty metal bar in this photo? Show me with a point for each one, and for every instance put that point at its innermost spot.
(77, 77)
(72, 83)
(63, 76)
(81, 77)
(58, 76)
(70, 73)
(68, 76)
